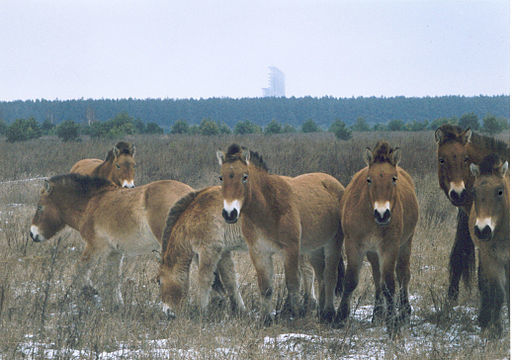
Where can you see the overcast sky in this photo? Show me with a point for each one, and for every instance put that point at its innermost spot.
(70, 49)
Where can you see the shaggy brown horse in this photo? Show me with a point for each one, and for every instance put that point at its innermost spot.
(196, 226)
(112, 221)
(457, 148)
(118, 167)
(292, 216)
(489, 222)
(379, 212)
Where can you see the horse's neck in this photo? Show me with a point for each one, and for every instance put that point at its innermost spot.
(263, 192)
(73, 208)
(103, 170)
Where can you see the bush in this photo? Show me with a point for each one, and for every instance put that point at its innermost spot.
(287, 128)
(469, 120)
(416, 125)
(360, 125)
(396, 125)
(208, 127)
(153, 128)
(246, 127)
(179, 127)
(310, 126)
(491, 125)
(68, 131)
(273, 128)
(23, 129)
(224, 128)
(340, 130)
(47, 127)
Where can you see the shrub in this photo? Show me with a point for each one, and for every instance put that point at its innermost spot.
(491, 125)
(224, 128)
(273, 128)
(469, 120)
(360, 125)
(396, 125)
(340, 130)
(153, 128)
(47, 127)
(310, 126)
(416, 125)
(246, 127)
(287, 128)
(23, 129)
(208, 127)
(179, 127)
(68, 131)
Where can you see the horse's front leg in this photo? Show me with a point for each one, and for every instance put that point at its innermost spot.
(208, 261)
(262, 261)
(115, 276)
(82, 277)
(228, 275)
(332, 254)
(291, 273)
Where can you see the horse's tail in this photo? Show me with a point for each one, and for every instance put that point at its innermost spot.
(341, 266)
(174, 214)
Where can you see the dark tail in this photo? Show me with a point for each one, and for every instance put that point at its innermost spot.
(341, 267)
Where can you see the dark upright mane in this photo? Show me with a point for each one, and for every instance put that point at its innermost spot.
(234, 153)
(82, 184)
(492, 145)
(451, 133)
(490, 164)
(382, 152)
(123, 147)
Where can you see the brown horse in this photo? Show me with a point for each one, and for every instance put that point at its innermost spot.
(292, 216)
(118, 167)
(489, 222)
(196, 226)
(112, 221)
(379, 212)
(457, 148)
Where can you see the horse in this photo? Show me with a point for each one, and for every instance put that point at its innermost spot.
(292, 216)
(489, 221)
(118, 167)
(113, 222)
(379, 212)
(456, 150)
(195, 226)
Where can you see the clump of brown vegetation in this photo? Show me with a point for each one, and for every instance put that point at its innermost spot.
(41, 318)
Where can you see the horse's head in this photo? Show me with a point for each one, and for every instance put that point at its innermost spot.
(382, 179)
(453, 163)
(123, 165)
(47, 220)
(491, 196)
(234, 175)
(173, 292)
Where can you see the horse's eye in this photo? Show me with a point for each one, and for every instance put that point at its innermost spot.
(117, 166)
(368, 180)
(244, 178)
(394, 179)
(500, 192)
(441, 161)
(220, 178)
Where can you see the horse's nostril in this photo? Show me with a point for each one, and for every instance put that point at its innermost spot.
(484, 234)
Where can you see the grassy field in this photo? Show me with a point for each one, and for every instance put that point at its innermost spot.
(38, 320)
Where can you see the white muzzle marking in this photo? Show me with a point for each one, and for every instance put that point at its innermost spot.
(481, 223)
(128, 184)
(381, 207)
(457, 187)
(233, 205)
(34, 231)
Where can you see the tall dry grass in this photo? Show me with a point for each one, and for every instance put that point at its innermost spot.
(40, 318)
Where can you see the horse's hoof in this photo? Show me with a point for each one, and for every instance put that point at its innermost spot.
(327, 316)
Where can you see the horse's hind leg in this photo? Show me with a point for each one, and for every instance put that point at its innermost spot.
(115, 276)
(82, 277)
(378, 309)
(403, 274)
(208, 261)
(227, 272)
(332, 255)
(462, 257)
(308, 283)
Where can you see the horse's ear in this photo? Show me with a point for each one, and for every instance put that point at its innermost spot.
(466, 136)
(503, 169)
(396, 156)
(246, 155)
(115, 151)
(132, 150)
(439, 135)
(47, 187)
(475, 169)
(220, 157)
(368, 156)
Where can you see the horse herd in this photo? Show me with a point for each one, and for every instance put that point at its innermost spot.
(307, 219)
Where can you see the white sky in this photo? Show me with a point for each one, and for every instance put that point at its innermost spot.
(70, 49)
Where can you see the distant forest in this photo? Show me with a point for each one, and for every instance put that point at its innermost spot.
(294, 111)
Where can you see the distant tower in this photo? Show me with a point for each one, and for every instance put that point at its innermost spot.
(275, 83)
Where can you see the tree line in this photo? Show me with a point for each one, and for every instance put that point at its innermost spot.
(261, 111)
(123, 124)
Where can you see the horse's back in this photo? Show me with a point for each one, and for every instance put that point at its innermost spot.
(317, 197)
(86, 166)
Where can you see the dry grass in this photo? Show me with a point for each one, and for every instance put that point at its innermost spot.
(40, 319)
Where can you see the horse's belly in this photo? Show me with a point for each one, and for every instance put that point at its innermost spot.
(137, 243)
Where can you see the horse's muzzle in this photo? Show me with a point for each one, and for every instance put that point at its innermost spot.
(230, 217)
(458, 199)
(484, 234)
(383, 219)
(35, 237)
